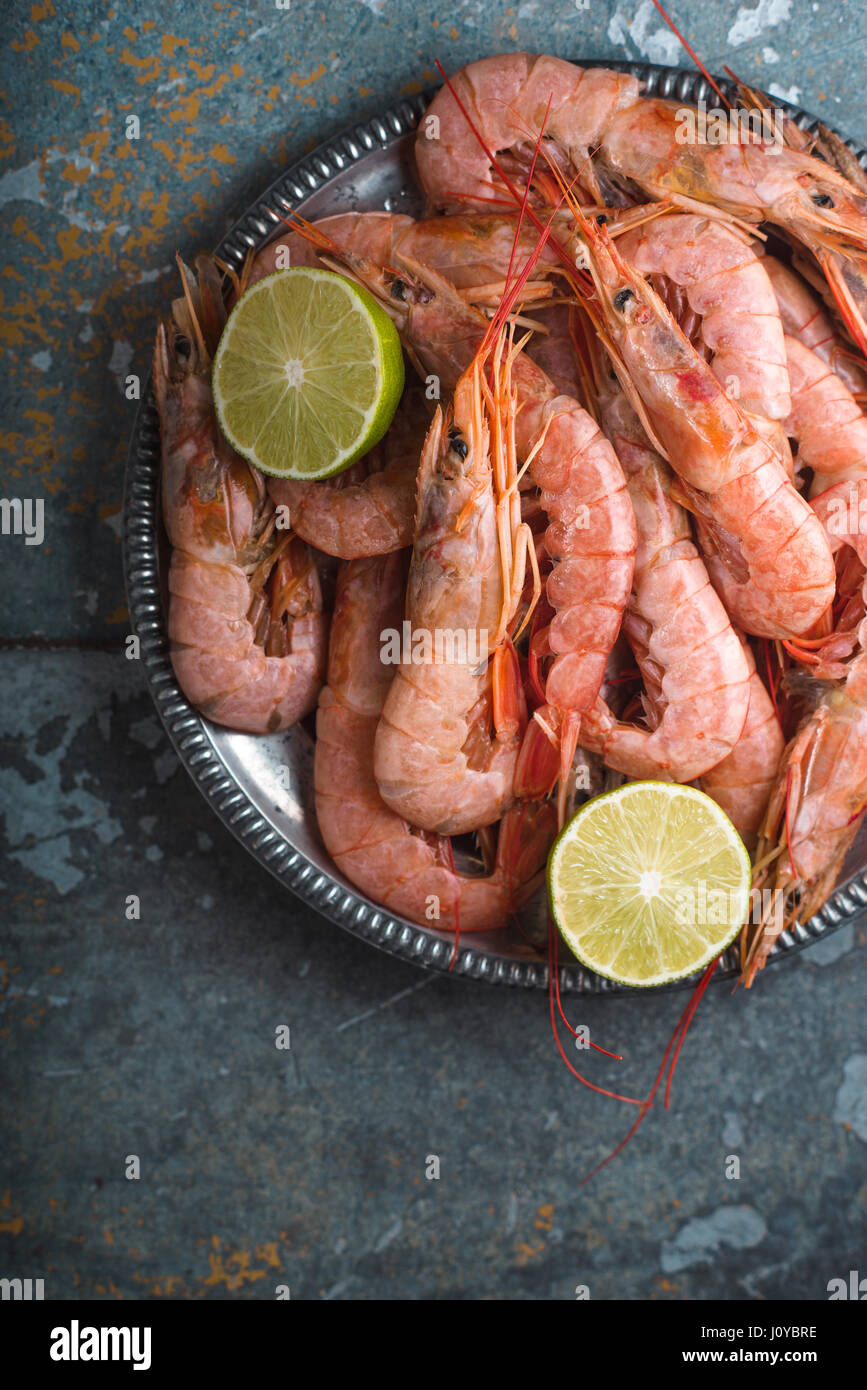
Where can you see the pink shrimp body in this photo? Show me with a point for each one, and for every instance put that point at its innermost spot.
(831, 431)
(245, 609)
(842, 510)
(407, 871)
(815, 811)
(826, 420)
(438, 761)
(804, 318)
(369, 509)
(373, 234)
(727, 288)
(695, 672)
(474, 251)
(742, 783)
(507, 98)
(765, 551)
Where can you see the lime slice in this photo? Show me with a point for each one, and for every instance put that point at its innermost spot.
(649, 882)
(307, 375)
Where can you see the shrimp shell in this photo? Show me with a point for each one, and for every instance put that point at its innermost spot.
(742, 783)
(434, 709)
(815, 812)
(245, 606)
(765, 551)
(694, 666)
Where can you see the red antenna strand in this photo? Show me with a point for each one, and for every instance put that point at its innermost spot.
(694, 56)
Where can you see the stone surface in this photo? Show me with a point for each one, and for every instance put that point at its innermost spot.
(156, 1037)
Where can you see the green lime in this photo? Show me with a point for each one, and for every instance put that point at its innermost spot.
(308, 373)
(649, 882)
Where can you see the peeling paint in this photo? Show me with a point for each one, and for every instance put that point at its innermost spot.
(700, 1240)
(850, 1102)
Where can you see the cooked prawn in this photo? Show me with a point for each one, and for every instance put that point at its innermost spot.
(831, 433)
(719, 291)
(742, 783)
(804, 318)
(695, 672)
(451, 725)
(825, 419)
(815, 812)
(765, 549)
(245, 605)
(408, 871)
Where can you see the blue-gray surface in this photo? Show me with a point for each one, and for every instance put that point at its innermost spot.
(308, 1167)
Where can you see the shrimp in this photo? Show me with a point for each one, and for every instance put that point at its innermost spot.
(451, 726)
(245, 606)
(742, 783)
(724, 301)
(591, 534)
(695, 673)
(804, 318)
(842, 509)
(814, 815)
(825, 419)
(831, 433)
(409, 872)
(765, 550)
(635, 141)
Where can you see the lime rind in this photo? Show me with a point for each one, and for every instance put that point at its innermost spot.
(699, 904)
(335, 337)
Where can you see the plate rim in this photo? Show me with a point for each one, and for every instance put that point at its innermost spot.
(188, 730)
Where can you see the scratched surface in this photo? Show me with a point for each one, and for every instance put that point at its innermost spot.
(307, 1167)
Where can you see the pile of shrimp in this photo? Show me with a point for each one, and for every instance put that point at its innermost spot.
(628, 491)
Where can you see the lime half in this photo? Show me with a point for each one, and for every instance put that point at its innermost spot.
(649, 882)
(307, 375)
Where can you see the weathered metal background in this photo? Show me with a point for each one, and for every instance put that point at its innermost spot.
(156, 1036)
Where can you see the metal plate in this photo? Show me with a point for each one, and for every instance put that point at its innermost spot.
(367, 167)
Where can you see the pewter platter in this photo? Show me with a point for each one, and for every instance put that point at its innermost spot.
(368, 167)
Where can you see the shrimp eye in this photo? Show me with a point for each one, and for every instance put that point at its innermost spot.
(622, 298)
(398, 289)
(459, 445)
(822, 200)
(601, 219)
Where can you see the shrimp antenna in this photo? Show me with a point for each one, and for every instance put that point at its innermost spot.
(676, 1041)
(552, 971)
(694, 56)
